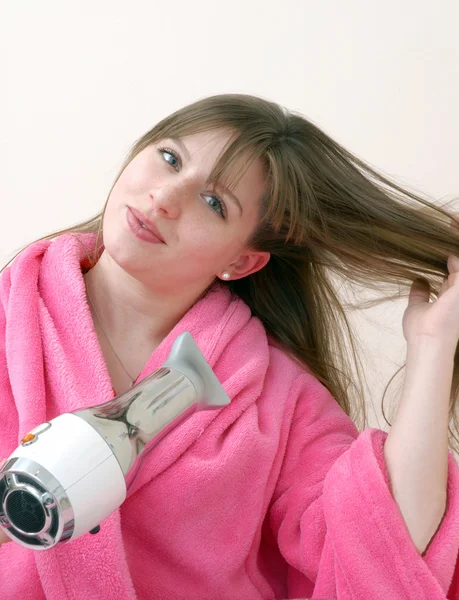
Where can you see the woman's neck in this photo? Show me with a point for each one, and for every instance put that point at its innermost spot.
(128, 310)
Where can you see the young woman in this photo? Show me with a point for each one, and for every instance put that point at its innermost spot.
(227, 220)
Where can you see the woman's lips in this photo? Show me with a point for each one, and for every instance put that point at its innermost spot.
(134, 218)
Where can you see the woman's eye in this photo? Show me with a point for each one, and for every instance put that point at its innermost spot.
(171, 153)
(217, 205)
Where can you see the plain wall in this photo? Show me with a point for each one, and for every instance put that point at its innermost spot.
(81, 81)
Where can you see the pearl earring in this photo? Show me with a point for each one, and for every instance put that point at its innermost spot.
(225, 275)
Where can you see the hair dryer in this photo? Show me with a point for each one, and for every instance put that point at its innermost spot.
(72, 472)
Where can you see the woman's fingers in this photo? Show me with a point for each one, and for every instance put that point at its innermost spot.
(3, 537)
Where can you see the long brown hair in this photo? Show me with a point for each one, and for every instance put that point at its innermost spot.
(326, 215)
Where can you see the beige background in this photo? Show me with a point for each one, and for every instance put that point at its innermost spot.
(82, 80)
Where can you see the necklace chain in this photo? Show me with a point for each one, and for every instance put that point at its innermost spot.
(132, 379)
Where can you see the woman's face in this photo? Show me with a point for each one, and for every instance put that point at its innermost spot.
(205, 230)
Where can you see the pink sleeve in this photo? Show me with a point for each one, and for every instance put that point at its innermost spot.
(337, 524)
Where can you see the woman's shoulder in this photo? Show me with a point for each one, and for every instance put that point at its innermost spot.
(19, 257)
(283, 360)
(304, 390)
(80, 244)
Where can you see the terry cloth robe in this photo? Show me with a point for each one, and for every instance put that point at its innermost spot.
(274, 496)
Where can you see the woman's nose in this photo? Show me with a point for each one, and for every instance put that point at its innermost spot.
(166, 202)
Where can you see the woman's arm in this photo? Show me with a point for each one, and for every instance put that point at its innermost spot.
(336, 521)
(416, 448)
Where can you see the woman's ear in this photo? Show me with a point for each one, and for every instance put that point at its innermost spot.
(249, 262)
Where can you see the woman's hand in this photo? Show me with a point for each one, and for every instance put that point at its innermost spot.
(439, 319)
(3, 537)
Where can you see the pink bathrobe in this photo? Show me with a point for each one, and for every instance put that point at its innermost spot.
(274, 496)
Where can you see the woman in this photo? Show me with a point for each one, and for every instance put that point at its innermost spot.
(226, 220)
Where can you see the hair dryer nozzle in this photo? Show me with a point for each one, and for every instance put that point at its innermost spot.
(186, 357)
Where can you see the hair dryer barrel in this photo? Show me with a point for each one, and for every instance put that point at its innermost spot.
(70, 473)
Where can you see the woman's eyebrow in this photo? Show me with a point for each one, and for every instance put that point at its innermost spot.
(232, 196)
(182, 146)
